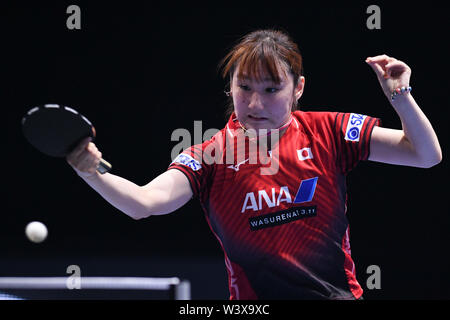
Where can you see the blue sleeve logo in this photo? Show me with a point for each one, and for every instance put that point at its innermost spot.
(353, 134)
(187, 160)
(354, 126)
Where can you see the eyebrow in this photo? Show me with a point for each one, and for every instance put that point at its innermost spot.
(265, 79)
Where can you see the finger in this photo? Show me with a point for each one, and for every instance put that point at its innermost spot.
(78, 155)
(79, 148)
(379, 58)
(89, 153)
(395, 63)
(382, 61)
(391, 68)
(396, 68)
(91, 147)
(89, 163)
(377, 68)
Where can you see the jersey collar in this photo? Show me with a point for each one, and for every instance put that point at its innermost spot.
(234, 125)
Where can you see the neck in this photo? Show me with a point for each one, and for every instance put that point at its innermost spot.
(281, 128)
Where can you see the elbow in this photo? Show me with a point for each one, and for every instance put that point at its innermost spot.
(141, 208)
(141, 214)
(137, 217)
(436, 162)
(432, 161)
(438, 158)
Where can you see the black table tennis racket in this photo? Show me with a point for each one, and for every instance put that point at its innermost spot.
(56, 130)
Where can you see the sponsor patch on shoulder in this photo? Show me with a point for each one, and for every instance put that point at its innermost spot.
(187, 160)
(354, 126)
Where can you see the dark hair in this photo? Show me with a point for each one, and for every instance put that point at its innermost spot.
(269, 49)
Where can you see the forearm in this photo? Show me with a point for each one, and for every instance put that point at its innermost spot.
(418, 130)
(121, 193)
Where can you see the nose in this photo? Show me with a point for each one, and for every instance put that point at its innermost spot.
(255, 101)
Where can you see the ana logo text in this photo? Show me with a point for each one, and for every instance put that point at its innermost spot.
(277, 196)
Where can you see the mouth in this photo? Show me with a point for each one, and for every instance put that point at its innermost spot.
(254, 118)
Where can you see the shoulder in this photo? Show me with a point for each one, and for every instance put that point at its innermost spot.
(315, 116)
(315, 120)
(332, 119)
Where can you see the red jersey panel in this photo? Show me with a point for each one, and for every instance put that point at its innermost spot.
(279, 212)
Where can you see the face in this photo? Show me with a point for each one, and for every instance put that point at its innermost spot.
(264, 104)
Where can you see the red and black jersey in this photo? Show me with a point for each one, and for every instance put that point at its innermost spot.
(284, 231)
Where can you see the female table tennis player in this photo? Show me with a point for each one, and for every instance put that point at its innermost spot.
(285, 234)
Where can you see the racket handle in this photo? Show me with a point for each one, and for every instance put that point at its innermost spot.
(104, 166)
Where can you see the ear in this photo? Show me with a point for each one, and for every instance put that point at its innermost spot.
(298, 91)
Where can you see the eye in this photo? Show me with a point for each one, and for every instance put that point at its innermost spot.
(272, 90)
(244, 87)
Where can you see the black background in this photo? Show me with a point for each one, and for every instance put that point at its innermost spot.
(140, 70)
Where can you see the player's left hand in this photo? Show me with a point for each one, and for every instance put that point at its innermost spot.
(391, 73)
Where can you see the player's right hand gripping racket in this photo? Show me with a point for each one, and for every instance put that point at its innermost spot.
(56, 130)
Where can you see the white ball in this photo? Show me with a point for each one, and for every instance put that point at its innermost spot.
(36, 231)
